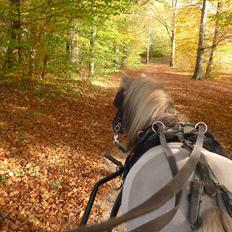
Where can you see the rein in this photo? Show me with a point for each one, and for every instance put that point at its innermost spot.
(158, 199)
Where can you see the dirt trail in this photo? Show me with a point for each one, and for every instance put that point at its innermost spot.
(51, 149)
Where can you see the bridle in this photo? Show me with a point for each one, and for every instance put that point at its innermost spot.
(118, 103)
(117, 122)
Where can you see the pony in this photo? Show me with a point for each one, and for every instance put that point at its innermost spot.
(140, 103)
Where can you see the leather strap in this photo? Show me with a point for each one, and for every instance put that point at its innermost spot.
(161, 221)
(159, 198)
(170, 157)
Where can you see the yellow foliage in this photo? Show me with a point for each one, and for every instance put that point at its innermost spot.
(187, 38)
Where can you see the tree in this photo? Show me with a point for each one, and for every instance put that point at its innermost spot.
(98, 14)
(222, 37)
(40, 36)
(173, 33)
(92, 51)
(201, 43)
(148, 41)
(215, 42)
(170, 25)
(14, 34)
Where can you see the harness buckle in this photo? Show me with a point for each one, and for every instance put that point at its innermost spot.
(117, 143)
(116, 138)
(195, 202)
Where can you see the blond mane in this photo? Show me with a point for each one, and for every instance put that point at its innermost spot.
(145, 102)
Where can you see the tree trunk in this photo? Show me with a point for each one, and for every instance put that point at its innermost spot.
(116, 59)
(92, 53)
(201, 43)
(70, 46)
(18, 27)
(173, 34)
(69, 51)
(31, 62)
(148, 53)
(45, 62)
(214, 44)
(124, 57)
(173, 48)
(14, 31)
(148, 41)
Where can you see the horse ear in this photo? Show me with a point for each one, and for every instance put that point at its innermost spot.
(125, 81)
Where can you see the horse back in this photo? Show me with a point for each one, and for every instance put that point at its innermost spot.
(152, 172)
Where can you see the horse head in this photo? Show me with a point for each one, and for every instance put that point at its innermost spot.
(140, 102)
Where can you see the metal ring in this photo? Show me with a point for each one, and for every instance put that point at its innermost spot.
(139, 134)
(156, 123)
(204, 124)
(181, 123)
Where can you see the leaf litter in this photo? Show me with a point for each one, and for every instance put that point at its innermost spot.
(51, 150)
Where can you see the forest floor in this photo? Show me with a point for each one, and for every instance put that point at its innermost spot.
(52, 142)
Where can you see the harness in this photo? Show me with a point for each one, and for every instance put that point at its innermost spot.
(186, 134)
(159, 198)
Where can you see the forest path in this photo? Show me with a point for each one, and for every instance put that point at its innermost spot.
(51, 145)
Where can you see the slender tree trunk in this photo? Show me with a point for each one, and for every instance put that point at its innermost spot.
(148, 41)
(69, 51)
(31, 60)
(173, 34)
(214, 44)
(18, 27)
(148, 53)
(92, 53)
(14, 31)
(69, 47)
(201, 43)
(124, 57)
(173, 48)
(45, 62)
(116, 60)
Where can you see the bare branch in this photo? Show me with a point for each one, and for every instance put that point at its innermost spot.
(165, 25)
(222, 38)
(192, 5)
(144, 3)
